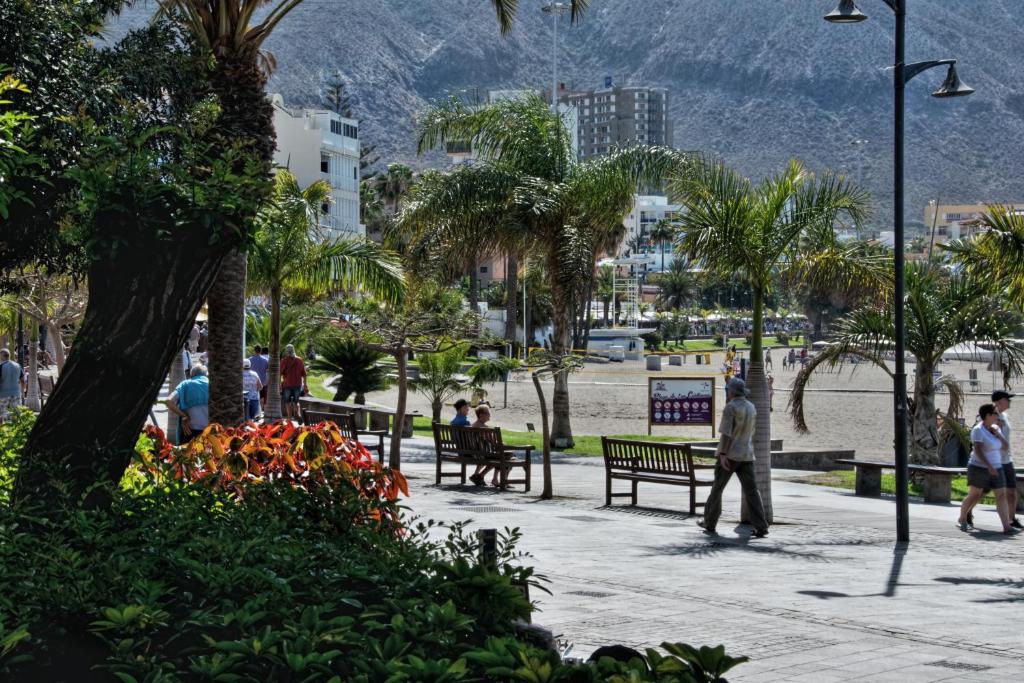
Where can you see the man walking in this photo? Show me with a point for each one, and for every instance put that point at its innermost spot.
(190, 401)
(736, 454)
(1001, 400)
(12, 384)
(260, 364)
(293, 382)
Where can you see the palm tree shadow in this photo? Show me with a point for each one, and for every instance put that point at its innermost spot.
(1016, 587)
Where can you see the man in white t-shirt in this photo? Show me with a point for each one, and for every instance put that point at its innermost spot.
(1001, 400)
(985, 470)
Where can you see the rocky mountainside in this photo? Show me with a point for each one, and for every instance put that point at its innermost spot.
(754, 82)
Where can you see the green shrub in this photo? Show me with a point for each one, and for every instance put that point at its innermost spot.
(782, 338)
(652, 340)
(13, 435)
(718, 338)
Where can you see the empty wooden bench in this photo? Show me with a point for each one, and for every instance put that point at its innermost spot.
(651, 462)
(347, 426)
(479, 446)
(937, 482)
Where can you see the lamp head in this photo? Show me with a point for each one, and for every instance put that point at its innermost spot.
(846, 12)
(952, 86)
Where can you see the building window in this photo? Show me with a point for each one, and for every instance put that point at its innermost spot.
(325, 163)
(326, 208)
(336, 127)
(350, 131)
(354, 172)
(483, 270)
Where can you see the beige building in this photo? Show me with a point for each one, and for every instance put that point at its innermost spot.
(956, 221)
(619, 116)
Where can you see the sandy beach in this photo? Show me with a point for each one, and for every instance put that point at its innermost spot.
(846, 408)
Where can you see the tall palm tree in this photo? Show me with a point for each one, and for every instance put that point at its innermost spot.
(677, 287)
(528, 189)
(290, 250)
(785, 224)
(663, 232)
(231, 32)
(392, 185)
(943, 311)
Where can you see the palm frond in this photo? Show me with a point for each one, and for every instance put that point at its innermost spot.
(831, 356)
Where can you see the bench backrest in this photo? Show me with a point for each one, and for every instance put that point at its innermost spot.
(45, 385)
(473, 442)
(346, 423)
(647, 456)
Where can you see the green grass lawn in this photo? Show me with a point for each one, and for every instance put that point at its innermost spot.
(845, 479)
(585, 444)
(315, 379)
(709, 345)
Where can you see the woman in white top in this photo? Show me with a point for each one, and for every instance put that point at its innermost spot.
(985, 468)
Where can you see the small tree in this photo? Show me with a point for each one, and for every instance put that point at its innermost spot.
(544, 365)
(438, 379)
(355, 365)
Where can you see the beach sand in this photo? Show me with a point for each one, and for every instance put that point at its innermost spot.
(850, 407)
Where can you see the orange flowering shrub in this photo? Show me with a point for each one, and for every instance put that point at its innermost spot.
(314, 457)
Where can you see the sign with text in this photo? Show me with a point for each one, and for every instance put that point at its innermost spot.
(677, 401)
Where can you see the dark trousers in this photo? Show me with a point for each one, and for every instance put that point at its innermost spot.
(745, 472)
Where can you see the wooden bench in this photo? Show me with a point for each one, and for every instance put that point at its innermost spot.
(347, 426)
(381, 417)
(937, 482)
(652, 462)
(45, 388)
(479, 446)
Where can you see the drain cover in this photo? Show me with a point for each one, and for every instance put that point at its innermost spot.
(585, 518)
(959, 666)
(591, 594)
(488, 508)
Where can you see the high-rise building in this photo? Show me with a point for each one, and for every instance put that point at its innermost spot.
(619, 116)
(318, 144)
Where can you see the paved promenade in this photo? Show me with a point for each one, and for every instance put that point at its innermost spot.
(827, 596)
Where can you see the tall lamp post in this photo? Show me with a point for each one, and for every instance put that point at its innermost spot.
(847, 12)
(556, 10)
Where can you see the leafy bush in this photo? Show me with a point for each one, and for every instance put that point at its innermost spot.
(355, 364)
(718, 338)
(652, 340)
(782, 338)
(13, 435)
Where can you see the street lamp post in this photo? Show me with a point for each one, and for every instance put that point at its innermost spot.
(556, 10)
(848, 13)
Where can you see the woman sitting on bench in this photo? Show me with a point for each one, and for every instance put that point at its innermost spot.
(483, 416)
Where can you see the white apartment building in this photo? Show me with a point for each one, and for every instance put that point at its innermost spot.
(648, 210)
(318, 144)
(959, 221)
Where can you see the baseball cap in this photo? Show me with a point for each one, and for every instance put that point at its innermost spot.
(737, 387)
(246, 364)
(999, 394)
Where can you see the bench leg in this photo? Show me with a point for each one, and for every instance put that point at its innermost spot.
(869, 482)
(526, 470)
(437, 471)
(693, 499)
(938, 488)
(463, 480)
(635, 485)
(607, 489)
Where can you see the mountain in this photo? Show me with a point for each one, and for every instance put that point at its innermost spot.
(754, 82)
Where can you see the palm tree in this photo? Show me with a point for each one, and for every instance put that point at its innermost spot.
(289, 250)
(997, 251)
(392, 185)
(943, 311)
(663, 233)
(528, 190)
(355, 365)
(606, 288)
(438, 379)
(785, 224)
(677, 287)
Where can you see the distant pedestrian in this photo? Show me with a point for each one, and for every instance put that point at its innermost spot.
(12, 384)
(771, 392)
(190, 401)
(985, 470)
(461, 418)
(768, 359)
(736, 454)
(260, 364)
(251, 385)
(785, 361)
(193, 338)
(1001, 400)
(204, 336)
(293, 382)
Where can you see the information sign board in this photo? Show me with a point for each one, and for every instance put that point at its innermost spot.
(676, 401)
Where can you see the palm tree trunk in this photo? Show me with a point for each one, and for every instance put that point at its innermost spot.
(474, 292)
(662, 258)
(59, 354)
(924, 433)
(758, 385)
(33, 401)
(561, 429)
(274, 364)
(546, 494)
(227, 318)
(435, 410)
(511, 297)
(395, 455)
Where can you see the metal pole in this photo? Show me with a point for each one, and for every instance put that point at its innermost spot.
(526, 322)
(900, 375)
(20, 353)
(554, 58)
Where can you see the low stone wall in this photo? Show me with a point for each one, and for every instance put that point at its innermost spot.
(811, 460)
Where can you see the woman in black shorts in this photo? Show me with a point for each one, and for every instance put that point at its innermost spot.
(985, 469)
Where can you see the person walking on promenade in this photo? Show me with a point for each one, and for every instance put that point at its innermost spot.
(1001, 400)
(985, 470)
(768, 359)
(260, 364)
(252, 386)
(12, 384)
(293, 382)
(190, 401)
(736, 454)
